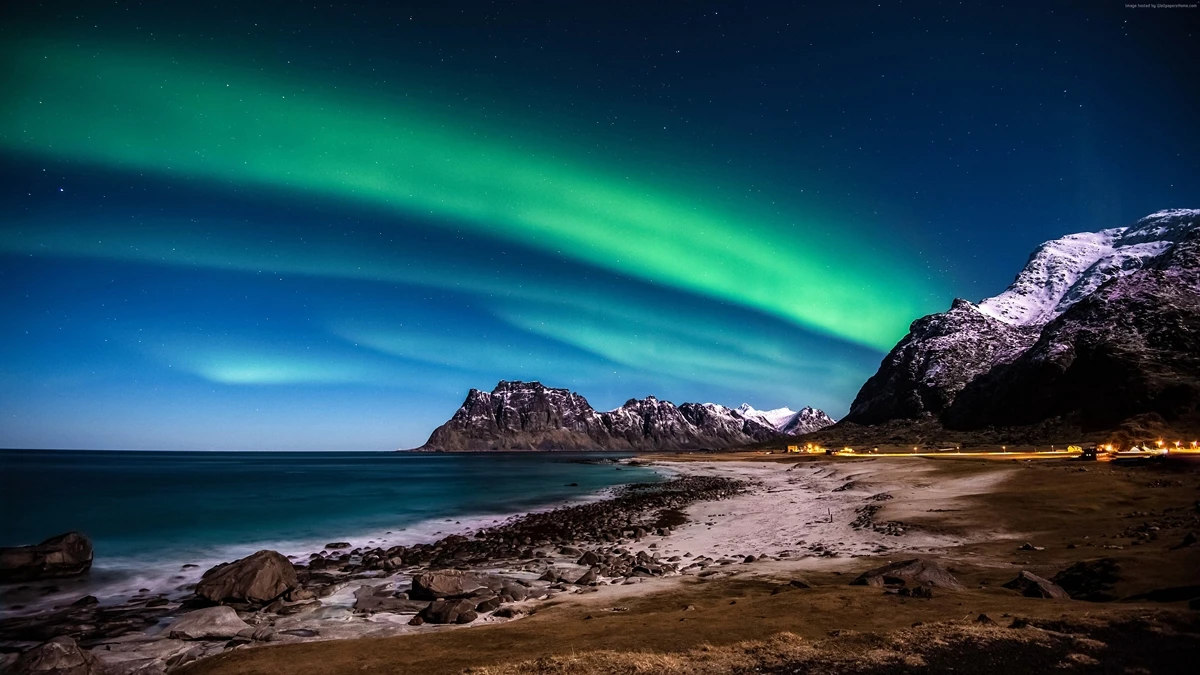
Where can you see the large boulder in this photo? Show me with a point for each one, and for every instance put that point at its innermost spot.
(210, 623)
(66, 555)
(1032, 586)
(256, 579)
(915, 572)
(1091, 580)
(60, 656)
(449, 611)
(443, 584)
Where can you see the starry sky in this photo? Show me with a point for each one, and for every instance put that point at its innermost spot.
(280, 225)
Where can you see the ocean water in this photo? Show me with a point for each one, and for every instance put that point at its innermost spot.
(150, 513)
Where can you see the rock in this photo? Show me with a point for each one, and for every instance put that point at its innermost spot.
(587, 577)
(86, 601)
(338, 545)
(66, 555)
(515, 591)
(790, 586)
(300, 594)
(379, 599)
(917, 572)
(507, 612)
(1090, 580)
(1030, 547)
(569, 550)
(449, 611)
(489, 605)
(589, 559)
(443, 584)
(985, 620)
(1189, 539)
(210, 623)
(60, 656)
(256, 579)
(1032, 586)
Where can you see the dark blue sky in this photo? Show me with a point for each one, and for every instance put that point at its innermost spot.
(252, 225)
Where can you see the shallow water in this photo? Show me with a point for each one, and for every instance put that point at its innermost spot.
(149, 513)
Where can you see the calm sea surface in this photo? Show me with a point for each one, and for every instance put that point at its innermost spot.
(150, 512)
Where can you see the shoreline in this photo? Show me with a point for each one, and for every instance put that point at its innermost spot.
(131, 628)
(116, 579)
(816, 517)
(629, 524)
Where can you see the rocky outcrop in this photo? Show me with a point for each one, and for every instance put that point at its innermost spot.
(66, 555)
(531, 416)
(909, 573)
(255, 580)
(1099, 327)
(209, 623)
(941, 354)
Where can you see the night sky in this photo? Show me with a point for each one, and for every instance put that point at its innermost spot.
(273, 226)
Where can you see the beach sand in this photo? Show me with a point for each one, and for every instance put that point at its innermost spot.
(970, 515)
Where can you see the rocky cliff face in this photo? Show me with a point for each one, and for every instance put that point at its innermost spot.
(1129, 348)
(531, 416)
(1097, 327)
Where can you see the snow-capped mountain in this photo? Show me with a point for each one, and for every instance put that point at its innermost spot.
(531, 416)
(1062, 272)
(789, 421)
(1114, 295)
(775, 418)
(806, 421)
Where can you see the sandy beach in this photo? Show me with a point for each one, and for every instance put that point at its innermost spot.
(723, 559)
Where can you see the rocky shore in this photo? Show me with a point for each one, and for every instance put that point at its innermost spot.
(496, 574)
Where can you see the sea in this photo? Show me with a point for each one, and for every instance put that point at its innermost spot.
(150, 514)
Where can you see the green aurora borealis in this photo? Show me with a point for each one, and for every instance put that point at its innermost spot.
(144, 112)
(270, 226)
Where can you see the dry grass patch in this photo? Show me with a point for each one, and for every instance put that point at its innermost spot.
(1160, 643)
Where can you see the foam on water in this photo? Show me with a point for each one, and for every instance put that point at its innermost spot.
(133, 555)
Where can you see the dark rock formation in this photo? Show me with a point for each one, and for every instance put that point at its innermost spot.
(530, 416)
(256, 579)
(449, 611)
(941, 354)
(66, 555)
(1090, 580)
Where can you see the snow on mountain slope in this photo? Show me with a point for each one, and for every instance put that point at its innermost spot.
(775, 418)
(806, 421)
(1063, 271)
(944, 353)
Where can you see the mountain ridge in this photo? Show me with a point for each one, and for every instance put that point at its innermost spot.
(1089, 315)
(530, 416)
